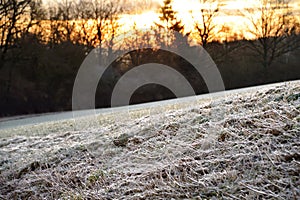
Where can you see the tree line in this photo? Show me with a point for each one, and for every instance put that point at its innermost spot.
(42, 46)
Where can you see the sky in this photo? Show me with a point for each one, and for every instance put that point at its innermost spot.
(186, 5)
(144, 13)
(232, 3)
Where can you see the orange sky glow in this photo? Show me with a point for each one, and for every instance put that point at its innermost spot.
(189, 10)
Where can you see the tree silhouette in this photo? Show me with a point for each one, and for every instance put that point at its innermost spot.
(275, 30)
(205, 26)
(105, 15)
(12, 23)
(170, 22)
(168, 16)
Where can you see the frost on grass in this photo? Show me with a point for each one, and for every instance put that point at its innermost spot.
(251, 152)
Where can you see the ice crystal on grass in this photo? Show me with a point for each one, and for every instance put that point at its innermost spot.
(251, 153)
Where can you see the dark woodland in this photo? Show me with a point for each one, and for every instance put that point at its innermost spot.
(37, 72)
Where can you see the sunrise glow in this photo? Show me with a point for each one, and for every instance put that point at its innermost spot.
(229, 22)
(190, 10)
(143, 20)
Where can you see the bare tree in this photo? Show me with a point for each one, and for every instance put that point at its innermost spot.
(66, 10)
(113, 27)
(103, 12)
(89, 22)
(205, 26)
(54, 16)
(12, 22)
(274, 30)
(37, 16)
(83, 14)
(17, 17)
(62, 20)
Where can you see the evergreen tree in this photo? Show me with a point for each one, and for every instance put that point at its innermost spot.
(169, 20)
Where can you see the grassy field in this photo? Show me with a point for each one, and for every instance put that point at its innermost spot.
(240, 147)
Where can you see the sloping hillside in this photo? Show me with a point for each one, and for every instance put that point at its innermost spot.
(240, 147)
